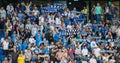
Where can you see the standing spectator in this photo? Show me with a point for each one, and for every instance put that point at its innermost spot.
(11, 44)
(118, 31)
(15, 19)
(2, 26)
(106, 57)
(67, 13)
(2, 13)
(59, 55)
(36, 12)
(113, 11)
(93, 12)
(41, 19)
(93, 60)
(98, 12)
(17, 8)
(97, 51)
(22, 7)
(112, 60)
(5, 45)
(34, 29)
(34, 57)
(106, 11)
(28, 55)
(40, 58)
(65, 53)
(21, 57)
(8, 27)
(9, 58)
(52, 54)
(28, 24)
(99, 60)
(14, 55)
(20, 15)
(32, 40)
(10, 10)
(85, 52)
(28, 7)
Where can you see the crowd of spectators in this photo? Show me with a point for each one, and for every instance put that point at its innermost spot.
(42, 33)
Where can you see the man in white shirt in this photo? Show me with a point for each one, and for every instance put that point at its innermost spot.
(41, 20)
(15, 19)
(51, 20)
(35, 11)
(106, 57)
(85, 51)
(93, 60)
(118, 31)
(32, 40)
(77, 50)
(67, 13)
(34, 30)
(10, 9)
(28, 25)
(97, 51)
(57, 21)
(2, 13)
(5, 45)
(112, 60)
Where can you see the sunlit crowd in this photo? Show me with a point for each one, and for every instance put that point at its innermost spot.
(48, 33)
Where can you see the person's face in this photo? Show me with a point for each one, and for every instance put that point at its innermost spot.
(98, 4)
(52, 43)
(21, 52)
(27, 4)
(28, 50)
(74, 9)
(112, 57)
(112, 5)
(10, 4)
(2, 8)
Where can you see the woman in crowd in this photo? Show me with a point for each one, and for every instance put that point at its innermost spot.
(21, 57)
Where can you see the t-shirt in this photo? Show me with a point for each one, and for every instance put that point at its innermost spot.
(5, 45)
(97, 52)
(118, 31)
(84, 52)
(28, 56)
(98, 10)
(112, 61)
(105, 58)
(14, 56)
(93, 60)
(21, 59)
